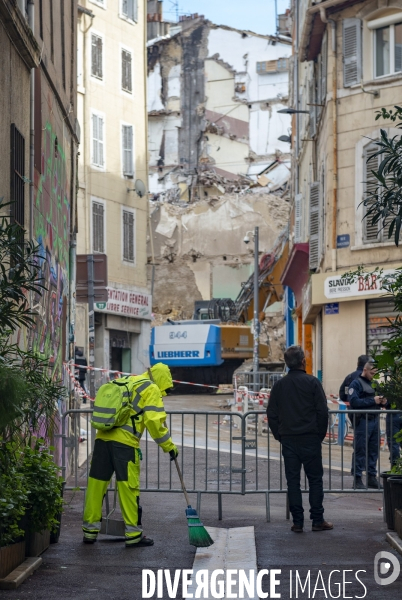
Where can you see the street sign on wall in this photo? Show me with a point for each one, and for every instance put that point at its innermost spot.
(332, 308)
(343, 241)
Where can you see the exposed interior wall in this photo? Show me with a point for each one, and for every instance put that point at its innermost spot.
(211, 109)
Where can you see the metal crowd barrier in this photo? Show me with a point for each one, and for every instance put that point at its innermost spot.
(225, 453)
(257, 381)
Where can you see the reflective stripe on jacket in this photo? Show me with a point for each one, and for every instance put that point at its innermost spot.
(147, 403)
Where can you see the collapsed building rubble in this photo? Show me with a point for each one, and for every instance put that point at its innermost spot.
(198, 253)
(214, 96)
(216, 166)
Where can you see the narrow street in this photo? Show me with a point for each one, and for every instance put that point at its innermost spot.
(107, 570)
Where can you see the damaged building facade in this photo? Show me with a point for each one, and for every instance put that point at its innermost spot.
(217, 168)
(213, 99)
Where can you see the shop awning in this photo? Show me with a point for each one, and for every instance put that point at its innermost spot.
(296, 272)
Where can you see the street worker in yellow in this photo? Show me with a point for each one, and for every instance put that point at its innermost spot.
(123, 409)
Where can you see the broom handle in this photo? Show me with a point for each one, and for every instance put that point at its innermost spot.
(182, 482)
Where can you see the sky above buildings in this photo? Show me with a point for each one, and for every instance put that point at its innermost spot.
(255, 15)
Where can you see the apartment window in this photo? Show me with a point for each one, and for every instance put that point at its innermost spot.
(129, 9)
(388, 49)
(41, 19)
(352, 51)
(98, 227)
(17, 188)
(372, 232)
(63, 43)
(51, 32)
(97, 56)
(312, 98)
(98, 140)
(128, 236)
(298, 216)
(272, 66)
(315, 226)
(127, 151)
(321, 77)
(126, 71)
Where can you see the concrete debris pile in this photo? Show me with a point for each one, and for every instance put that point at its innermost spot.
(199, 253)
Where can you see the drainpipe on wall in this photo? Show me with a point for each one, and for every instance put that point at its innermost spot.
(146, 153)
(31, 22)
(335, 137)
(88, 180)
(296, 84)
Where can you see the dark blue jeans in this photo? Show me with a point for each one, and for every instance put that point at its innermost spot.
(298, 450)
(394, 448)
(372, 446)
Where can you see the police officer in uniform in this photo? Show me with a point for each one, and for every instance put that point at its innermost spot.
(362, 396)
(343, 390)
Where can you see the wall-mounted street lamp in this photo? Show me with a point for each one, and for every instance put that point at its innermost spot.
(285, 138)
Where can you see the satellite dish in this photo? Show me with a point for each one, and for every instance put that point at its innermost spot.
(140, 188)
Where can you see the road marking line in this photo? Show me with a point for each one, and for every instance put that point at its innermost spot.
(233, 548)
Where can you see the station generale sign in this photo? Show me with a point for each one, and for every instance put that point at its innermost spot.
(126, 303)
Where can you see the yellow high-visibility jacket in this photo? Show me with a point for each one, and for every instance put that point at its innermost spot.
(148, 401)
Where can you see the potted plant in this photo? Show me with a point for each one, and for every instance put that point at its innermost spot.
(391, 492)
(13, 499)
(44, 503)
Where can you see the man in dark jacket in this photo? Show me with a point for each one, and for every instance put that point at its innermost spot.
(298, 417)
(343, 390)
(362, 396)
(81, 372)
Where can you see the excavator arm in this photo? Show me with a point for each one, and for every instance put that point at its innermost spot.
(270, 287)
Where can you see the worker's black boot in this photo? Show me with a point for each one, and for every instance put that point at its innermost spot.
(89, 540)
(143, 541)
(372, 482)
(358, 483)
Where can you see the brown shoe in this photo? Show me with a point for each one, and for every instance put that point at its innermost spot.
(297, 528)
(324, 526)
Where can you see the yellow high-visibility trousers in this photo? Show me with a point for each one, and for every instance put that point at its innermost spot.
(108, 458)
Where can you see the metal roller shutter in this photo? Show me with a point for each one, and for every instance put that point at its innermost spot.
(377, 325)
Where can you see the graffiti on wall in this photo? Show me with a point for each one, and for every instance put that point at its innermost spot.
(51, 230)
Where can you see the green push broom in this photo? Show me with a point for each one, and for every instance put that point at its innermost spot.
(197, 534)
